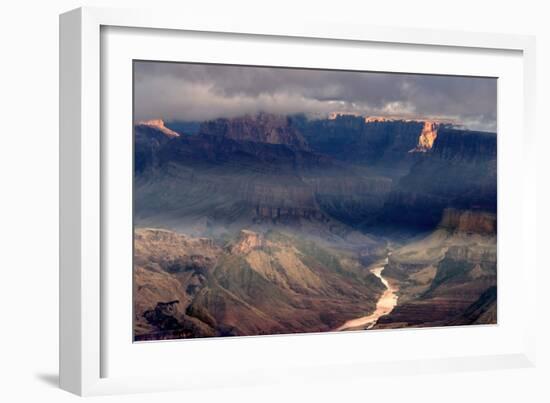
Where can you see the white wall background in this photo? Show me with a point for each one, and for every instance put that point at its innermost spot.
(29, 201)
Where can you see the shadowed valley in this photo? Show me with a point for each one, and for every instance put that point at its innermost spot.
(274, 224)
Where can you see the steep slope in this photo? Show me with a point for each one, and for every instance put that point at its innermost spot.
(363, 174)
(447, 277)
(149, 137)
(239, 177)
(254, 284)
(427, 137)
(355, 139)
(260, 128)
(278, 215)
(459, 171)
(158, 125)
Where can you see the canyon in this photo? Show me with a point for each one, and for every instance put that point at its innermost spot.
(384, 305)
(268, 224)
(254, 284)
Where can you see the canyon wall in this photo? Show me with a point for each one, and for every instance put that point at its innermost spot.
(469, 221)
(458, 172)
(362, 173)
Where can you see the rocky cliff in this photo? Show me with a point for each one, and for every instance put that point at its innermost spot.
(246, 242)
(463, 145)
(261, 128)
(149, 137)
(228, 177)
(448, 277)
(469, 221)
(268, 168)
(279, 214)
(459, 171)
(427, 137)
(157, 124)
(255, 284)
(354, 139)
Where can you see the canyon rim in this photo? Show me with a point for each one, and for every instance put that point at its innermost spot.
(272, 200)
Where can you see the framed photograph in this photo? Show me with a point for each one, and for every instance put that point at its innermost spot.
(305, 202)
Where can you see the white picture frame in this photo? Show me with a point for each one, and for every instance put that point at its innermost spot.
(85, 345)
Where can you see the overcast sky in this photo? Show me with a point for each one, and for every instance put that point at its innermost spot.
(181, 91)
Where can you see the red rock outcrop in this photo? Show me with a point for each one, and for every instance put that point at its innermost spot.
(427, 137)
(248, 240)
(261, 128)
(159, 125)
(469, 221)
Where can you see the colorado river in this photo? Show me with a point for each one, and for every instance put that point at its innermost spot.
(384, 306)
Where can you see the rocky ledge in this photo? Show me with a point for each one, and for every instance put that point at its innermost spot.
(469, 221)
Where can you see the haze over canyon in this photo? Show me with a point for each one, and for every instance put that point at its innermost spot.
(274, 224)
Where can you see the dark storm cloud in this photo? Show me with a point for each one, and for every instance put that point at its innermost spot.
(197, 92)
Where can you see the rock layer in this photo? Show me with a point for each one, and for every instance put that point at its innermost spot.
(469, 221)
(256, 284)
(262, 128)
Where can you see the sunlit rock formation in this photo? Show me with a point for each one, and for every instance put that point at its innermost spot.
(427, 137)
(469, 221)
(261, 128)
(159, 125)
(247, 241)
